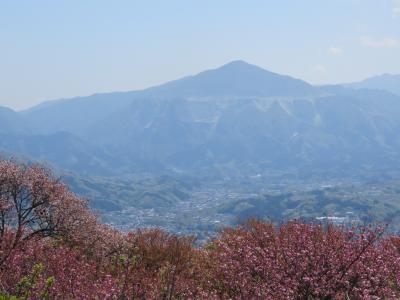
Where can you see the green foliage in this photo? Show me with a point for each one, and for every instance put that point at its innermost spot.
(29, 282)
(45, 294)
(5, 297)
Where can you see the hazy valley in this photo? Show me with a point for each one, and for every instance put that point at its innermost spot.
(209, 150)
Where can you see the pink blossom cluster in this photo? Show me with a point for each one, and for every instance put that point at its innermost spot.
(304, 261)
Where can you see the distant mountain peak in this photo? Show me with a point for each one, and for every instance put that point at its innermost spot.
(242, 67)
(238, 64)
(387, 82)
(234, 79)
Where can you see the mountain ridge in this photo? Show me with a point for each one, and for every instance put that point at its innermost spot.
(386, 82)
(237, 77)
(239, 65)
(238, 115)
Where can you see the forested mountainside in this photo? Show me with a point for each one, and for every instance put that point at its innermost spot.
(206, 144)
(236, 116)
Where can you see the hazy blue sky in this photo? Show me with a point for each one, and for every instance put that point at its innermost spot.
(54, 49)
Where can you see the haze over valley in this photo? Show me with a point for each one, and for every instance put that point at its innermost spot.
(226, 144)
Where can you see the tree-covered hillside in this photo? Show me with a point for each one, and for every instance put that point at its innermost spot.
(52, 246)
